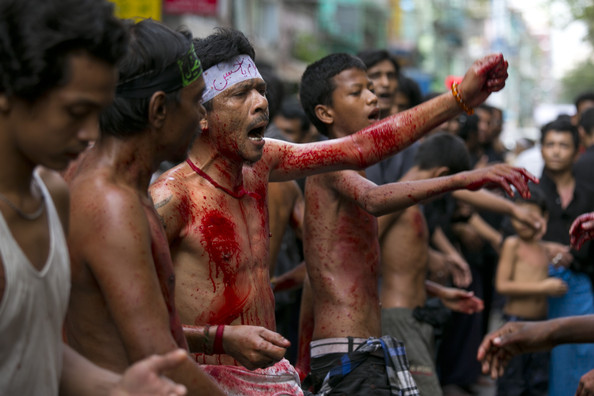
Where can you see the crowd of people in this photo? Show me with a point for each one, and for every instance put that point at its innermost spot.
(174, 221)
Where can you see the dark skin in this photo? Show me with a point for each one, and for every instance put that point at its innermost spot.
(122, 307)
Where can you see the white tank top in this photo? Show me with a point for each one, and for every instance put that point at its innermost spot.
(32, 312)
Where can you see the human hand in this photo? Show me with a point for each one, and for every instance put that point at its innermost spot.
(586, 385)
(460, 270)
(582, 230)
(500, 175)
(146, 376)
(513, 338)
(554, 287)
(485, 76)
(531, 219)
(254, 346)
(559, 254)
(461, 300)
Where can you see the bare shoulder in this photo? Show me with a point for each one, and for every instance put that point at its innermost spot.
(58, 190)
(511, 243)
(169, 186)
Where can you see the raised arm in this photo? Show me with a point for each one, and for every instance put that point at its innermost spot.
(389, 135)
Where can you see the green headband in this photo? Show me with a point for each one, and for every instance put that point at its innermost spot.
(177, 75)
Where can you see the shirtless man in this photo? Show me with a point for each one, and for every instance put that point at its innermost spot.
(214, 205)
(57, 71)
(340, 236)
(404, 240)
(122, 306)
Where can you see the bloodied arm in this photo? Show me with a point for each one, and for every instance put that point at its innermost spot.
(386, 137)
(380, 200)
(110, 232)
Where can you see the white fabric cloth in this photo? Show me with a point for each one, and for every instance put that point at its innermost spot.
(32, 310)
(226, 74)
(280, 379)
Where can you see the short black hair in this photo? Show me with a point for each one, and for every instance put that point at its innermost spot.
(37, 38)
(317, 83)
(468, 126)
(561, 124)
(537, 197)
(587, 121)
(374, 56)
(443, 149)
(153, 46)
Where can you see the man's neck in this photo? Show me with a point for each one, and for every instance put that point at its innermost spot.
(561, 178)
(132, 160)
(224, 171)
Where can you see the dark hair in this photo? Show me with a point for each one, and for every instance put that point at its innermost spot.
(587, 121)
(291, 109)
(537, 197)
(584, 97)
(443, 149)
(224, 44)
(317, 83)
(153, 46)
(37, 38)
(563, 125)
(375, 56)
(411, 90)
(275, 90)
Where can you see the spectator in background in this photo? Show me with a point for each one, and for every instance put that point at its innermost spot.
(408, 94)
(383, 70)
(566, 200)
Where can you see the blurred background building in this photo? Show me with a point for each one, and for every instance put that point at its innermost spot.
(432, 39)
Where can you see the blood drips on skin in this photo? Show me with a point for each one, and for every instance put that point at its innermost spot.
(220, 243)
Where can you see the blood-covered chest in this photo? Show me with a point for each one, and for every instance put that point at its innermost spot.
(232, 233)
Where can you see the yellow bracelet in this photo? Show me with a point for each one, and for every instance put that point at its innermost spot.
(456, 94)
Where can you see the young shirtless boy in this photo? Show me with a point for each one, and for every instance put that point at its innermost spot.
(404, 240)
(522, 276)
(341, 241)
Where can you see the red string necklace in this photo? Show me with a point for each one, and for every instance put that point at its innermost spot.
(242, 191)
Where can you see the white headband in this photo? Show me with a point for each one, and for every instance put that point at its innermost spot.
(226, 74)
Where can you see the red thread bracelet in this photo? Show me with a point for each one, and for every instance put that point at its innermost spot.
(218, 341)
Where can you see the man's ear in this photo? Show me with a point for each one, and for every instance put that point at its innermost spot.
(441, 171)
(324, 114)
(203, 124)
(157, 113)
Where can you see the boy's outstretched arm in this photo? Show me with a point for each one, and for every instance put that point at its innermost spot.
(390, 135)
(380, 200)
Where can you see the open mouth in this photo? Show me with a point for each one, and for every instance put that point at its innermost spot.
(374, 115)
(256, 134)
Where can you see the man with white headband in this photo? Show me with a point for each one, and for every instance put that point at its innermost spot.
(214, 205)
(122, 307)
